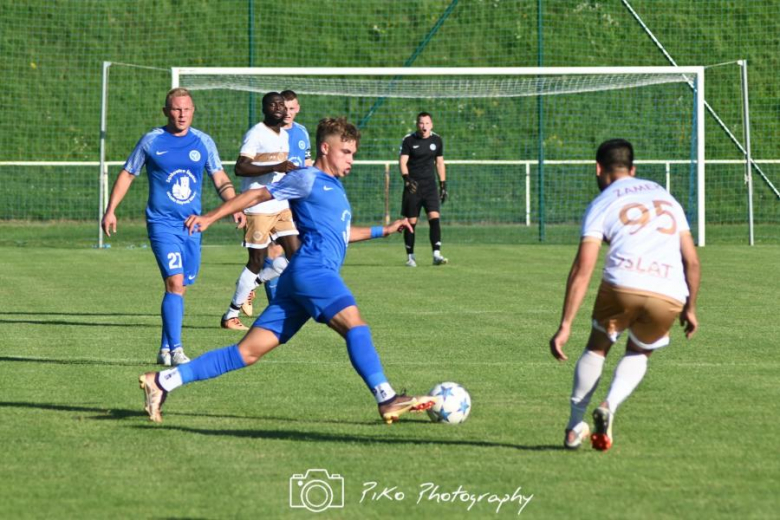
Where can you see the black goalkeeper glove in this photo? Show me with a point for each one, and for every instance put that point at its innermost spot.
(443, 191)
(410, 185)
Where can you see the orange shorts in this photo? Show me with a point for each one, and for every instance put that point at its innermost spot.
(647, 316)
(262, 228)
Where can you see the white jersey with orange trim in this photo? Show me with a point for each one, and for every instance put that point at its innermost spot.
(265, 147)
(642, 223)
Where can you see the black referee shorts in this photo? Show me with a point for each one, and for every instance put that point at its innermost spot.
(427, 197)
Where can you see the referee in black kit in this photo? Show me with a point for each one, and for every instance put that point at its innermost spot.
(420, 152)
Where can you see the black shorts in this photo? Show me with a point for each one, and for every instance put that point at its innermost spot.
(427, 197)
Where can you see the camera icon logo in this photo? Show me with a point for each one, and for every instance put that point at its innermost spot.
(317, 490)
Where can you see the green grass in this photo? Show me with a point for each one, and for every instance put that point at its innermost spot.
(698, 438)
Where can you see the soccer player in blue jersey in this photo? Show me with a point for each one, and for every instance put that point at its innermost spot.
(300, 145)
(175, 157)
(310, 287)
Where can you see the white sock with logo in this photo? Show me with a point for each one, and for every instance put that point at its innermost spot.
(170, 379)
(383, 392)
(587, 374)
(628, 374)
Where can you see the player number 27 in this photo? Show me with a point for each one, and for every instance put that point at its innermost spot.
(638, 215)
(174, 260)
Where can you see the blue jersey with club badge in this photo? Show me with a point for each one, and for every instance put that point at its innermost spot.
(300, 146)
(175, 166)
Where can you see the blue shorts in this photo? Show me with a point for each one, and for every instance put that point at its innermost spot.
(177, 253)
(304, 292)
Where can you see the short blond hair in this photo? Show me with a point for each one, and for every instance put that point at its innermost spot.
(336, 126)
(177, 92)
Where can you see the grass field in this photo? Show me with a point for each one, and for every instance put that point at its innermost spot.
(697, 440)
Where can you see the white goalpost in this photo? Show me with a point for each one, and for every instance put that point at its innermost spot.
(366, 92)
(519, 142)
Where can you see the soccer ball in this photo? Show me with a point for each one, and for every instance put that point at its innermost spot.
(453, 405)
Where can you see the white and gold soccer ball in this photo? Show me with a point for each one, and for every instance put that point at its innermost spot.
(453, 405)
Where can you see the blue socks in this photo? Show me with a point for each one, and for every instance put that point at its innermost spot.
(172, 311)
(212, 364)
(360, 347)
(364, 358)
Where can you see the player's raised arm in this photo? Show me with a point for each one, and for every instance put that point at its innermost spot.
(243, 201)
(358, 234)
(576, 287)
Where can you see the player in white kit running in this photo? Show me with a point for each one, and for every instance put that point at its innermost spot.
(651, 276)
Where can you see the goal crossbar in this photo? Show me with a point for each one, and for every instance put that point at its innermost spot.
(692, 75)
(176, 72)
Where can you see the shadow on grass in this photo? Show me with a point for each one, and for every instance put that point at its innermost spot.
(78, 323)
(310, 436)
(104, 324)
(81, 314)
(121, 413)
(400, 266)
(106, 413)
(118, 414)
(76, 361)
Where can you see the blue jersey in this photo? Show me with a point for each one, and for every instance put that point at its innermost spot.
(322, 214)
(175, 168)
(300, 146)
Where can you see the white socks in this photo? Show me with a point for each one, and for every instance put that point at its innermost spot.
(278, 265)
(245, 284)
(586, 378)
(628, 374)
(170, 379)
(383, 392)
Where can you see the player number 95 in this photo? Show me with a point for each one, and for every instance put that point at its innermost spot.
(638, 215)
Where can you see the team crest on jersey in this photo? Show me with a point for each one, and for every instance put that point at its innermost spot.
(433, 147)
(302, 144)
(182, 186)
(195, 155)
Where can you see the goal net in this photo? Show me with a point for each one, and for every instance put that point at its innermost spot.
(519, 143)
